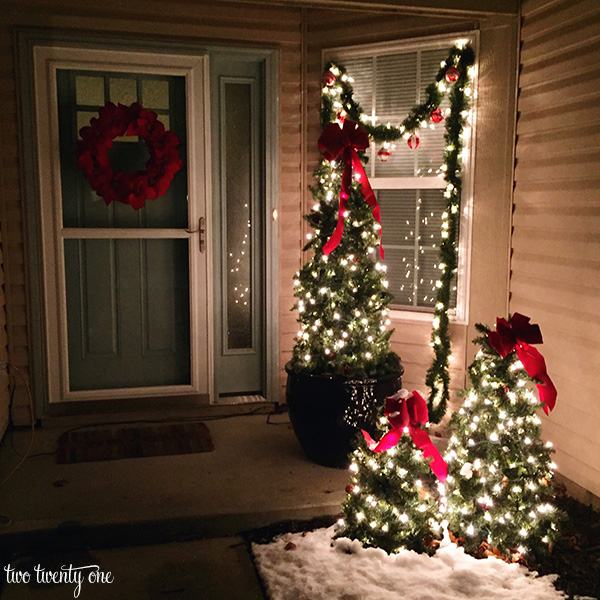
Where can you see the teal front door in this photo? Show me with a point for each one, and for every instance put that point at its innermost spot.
(126, 271)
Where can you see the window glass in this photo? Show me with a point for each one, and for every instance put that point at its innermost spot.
(387, 85)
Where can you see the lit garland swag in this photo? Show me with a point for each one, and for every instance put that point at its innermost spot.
(350, 282)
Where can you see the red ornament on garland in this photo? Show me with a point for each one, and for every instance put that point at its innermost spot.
(384, 154)
(128, 188)
(329, 78)
(413, 141)
(437, 115)
(341, 116)
(452, 74)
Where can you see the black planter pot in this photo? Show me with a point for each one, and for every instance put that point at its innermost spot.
(318, 405)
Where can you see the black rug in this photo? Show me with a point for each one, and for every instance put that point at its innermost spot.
(141, 441)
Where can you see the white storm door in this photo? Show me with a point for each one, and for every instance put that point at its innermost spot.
(125, 291)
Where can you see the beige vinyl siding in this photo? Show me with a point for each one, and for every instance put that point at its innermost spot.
(493, 176)
(556, 225)
(197, 22)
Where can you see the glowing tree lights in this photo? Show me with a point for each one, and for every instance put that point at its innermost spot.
(342, 296)
(342, 292)
(498, 490)
(393, 493)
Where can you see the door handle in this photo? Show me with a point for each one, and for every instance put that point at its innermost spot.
(201, 232)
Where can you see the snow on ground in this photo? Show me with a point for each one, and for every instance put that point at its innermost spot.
(320, 568)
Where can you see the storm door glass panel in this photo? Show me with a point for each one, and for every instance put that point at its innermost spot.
(127, 312)
(237, 132)
(126, 278)
(82, 93)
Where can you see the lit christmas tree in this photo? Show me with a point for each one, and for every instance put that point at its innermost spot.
(393, 495)
(342, 292)
(498, 490)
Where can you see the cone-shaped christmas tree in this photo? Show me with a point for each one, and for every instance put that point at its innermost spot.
(342, 291)
(498, 490)
(392, 500)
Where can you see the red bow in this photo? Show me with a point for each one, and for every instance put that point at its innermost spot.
(408, 414)
(517, 334)
(345, 142)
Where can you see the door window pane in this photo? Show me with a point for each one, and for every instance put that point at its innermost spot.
(89, 90)
(155, 93)
(123, 90)
(238, 218)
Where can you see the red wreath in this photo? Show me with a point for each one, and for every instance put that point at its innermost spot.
(129, 188)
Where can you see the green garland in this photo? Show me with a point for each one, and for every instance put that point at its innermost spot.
(338, 99)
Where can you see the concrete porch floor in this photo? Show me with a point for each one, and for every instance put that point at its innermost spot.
(257, 475)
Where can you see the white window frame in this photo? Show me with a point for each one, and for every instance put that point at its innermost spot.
(459, 315)
(47, 60)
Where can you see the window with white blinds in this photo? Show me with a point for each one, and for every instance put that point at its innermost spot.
(409, 185)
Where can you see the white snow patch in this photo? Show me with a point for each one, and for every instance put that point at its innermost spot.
(320, 568)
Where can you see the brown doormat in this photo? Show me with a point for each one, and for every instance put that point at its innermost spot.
(114, 442)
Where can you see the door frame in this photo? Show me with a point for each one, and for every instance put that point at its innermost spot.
(26, 39)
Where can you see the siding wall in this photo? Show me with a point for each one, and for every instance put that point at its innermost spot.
(206, 22)
(4, 390)
(492, 182)
(556, 223)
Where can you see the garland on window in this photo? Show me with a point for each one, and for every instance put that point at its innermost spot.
(453, 79)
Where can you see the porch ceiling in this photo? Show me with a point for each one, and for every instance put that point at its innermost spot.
(437, 8)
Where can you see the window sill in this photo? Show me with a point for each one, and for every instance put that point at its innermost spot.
(421, 317)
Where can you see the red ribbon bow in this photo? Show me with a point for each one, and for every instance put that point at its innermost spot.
(517, 334)
(408, 414)
(344, 141)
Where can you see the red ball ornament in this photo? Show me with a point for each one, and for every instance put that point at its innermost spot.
(341, 116)
(452, 74)
(413, 141)
(329, 78)
(384, 154)
(437, 115)
(349, 489)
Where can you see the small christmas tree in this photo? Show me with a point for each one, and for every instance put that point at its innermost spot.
(392, 497)
(498, 488)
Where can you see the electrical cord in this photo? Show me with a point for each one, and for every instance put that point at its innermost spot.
(31, 412)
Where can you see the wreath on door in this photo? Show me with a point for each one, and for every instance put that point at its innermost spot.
(111, 185)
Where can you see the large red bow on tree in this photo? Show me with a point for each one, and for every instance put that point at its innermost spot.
(406, 413)
(517, 334)
(344, 141)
